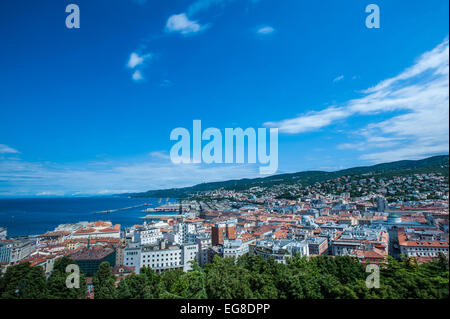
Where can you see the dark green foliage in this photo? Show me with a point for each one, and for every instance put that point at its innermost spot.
(23, 282)
(104, 282)
(56, 283)
(248, 277)
(225, 279)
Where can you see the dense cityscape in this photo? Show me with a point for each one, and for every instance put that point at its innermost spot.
(351, 221)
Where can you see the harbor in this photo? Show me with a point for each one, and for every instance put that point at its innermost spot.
(120, 209)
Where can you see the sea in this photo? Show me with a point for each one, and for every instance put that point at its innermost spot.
(34, 216)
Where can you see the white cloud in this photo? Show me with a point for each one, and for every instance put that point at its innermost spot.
(420, 93)
(137, 76)
(160, 155)
(135, 59)
(311, 121)
(181, 23)
(5, 149)
(266, 30)
(436, 59)
(339, 78)
(131, 175)
(136, 62)
(418, 151)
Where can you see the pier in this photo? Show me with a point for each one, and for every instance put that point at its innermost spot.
(119, 209)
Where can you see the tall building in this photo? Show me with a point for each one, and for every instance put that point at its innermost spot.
(202, 212)
(90, 258)
(382, 204)
(223, 230)
(204, 243)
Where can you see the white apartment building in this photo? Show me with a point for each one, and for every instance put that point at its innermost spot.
(147, 236)
(204, 243)
(14, 251)
(422, 243)
(281, 249)
(184, 233)
(234, 248)
(358, 238)
(189, 254)
(160, 256)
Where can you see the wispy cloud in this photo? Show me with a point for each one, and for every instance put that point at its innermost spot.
(310, 121)
(266, 30)
(184, 22)
(160, 154)
(339, 78)
(5, 149)
(420, 93)
(106, 177)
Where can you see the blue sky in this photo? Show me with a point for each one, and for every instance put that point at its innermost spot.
(90, 110)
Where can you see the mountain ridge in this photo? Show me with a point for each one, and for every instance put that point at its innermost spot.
(435, 164)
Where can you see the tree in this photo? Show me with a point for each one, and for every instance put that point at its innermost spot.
(23, 282)
(104, 282)
(226, 280)
(56, 283)
(123, 290)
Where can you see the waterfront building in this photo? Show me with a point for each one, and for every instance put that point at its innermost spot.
(99, 229)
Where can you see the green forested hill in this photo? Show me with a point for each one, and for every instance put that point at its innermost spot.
(436, 164)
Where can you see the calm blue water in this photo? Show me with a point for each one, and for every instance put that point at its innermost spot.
(31, 216)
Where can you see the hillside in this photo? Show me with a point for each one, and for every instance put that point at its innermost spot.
(436, 164)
